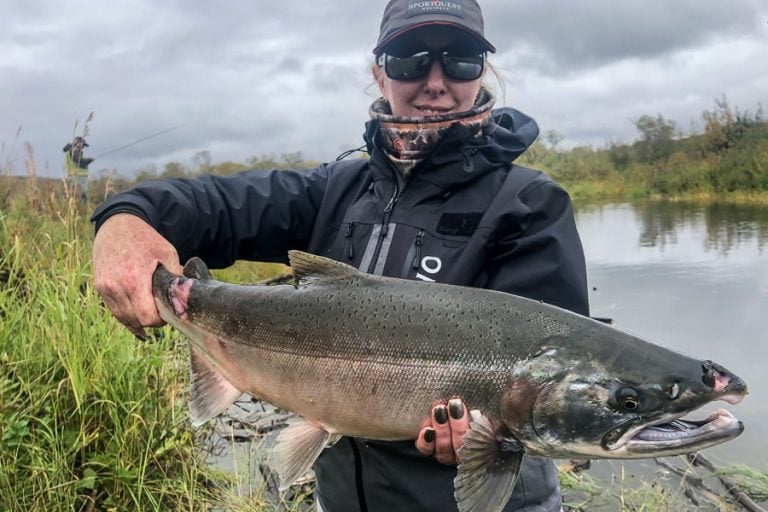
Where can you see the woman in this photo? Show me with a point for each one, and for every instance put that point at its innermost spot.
(438, 200)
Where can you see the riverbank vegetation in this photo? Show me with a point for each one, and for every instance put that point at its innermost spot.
(723, 158)
(726, 158)
(90, 419)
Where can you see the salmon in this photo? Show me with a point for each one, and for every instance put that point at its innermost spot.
(354, 354)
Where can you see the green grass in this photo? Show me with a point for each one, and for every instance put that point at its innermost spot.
(88, 416)
(597, 191)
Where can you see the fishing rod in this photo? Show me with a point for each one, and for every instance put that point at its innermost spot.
(161, 132)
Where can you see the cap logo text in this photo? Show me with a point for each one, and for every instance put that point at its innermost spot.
(452, 8)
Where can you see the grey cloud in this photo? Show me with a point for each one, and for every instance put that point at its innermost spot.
(290, 65)
(555, 37)
(252, 78)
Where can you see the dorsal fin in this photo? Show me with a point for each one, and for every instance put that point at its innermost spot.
(312, 269)
(196, 269)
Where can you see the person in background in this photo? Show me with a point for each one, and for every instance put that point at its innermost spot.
(438, 199)
(77, 166)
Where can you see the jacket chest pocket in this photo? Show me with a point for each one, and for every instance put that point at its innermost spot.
(404, 251)
(429, 258)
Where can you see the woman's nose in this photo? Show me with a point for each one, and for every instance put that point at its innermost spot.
(436, 80)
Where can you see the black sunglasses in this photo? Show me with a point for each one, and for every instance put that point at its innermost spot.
(456, 66)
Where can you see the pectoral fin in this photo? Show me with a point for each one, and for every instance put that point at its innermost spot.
(210, 393)
(488, 469)
(298, 445)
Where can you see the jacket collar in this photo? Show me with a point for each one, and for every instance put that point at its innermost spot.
(508, 134)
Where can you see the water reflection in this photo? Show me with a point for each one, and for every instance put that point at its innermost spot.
(731, 225)
(725, 225)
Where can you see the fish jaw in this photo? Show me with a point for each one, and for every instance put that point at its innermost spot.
(677, 436)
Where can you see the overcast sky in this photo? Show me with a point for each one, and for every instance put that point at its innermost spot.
(260, 78)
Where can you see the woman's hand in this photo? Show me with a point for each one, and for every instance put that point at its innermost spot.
(443, 435)
(126, 252)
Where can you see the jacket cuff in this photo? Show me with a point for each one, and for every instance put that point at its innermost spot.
(133, 205)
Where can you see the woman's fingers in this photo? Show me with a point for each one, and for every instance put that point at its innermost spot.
(459, 421)
(425, 443)
(443, 439)
(443, 435)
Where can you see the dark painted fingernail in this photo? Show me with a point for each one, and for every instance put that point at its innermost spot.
(429, 435)
(441, 415)
(456, 408)
(140, 337)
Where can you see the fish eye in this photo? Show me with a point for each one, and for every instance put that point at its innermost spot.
(627, 400)
(629, 404)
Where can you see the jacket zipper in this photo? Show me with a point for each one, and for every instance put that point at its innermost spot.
(384, 229)
(350, 245)
(371, 267)
(359, 476)
(417, 244)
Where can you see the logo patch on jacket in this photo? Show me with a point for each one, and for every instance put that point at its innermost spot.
(459, 224)
(453, 8)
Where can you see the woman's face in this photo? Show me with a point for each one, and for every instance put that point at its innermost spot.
(435, 94)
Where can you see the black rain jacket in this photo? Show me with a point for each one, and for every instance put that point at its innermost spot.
(468, 216)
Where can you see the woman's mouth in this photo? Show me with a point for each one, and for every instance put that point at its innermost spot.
(429, 110)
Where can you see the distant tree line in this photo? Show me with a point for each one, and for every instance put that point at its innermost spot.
(728, 154)
(201, 164)
(109, 182)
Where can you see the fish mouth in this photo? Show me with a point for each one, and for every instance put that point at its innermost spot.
(674, 436)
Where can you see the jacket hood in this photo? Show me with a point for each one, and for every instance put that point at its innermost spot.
(511, 132)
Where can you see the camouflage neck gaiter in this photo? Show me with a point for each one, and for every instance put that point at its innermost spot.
(408, 140)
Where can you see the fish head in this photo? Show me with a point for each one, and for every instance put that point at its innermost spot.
(173, 293)
(619, 400)
(193, 304)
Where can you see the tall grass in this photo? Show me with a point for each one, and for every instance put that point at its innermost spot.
(89, 417)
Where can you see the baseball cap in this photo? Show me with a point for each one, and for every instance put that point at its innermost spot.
(401, 16)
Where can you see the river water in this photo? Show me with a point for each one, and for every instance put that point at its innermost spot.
(693, 278)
